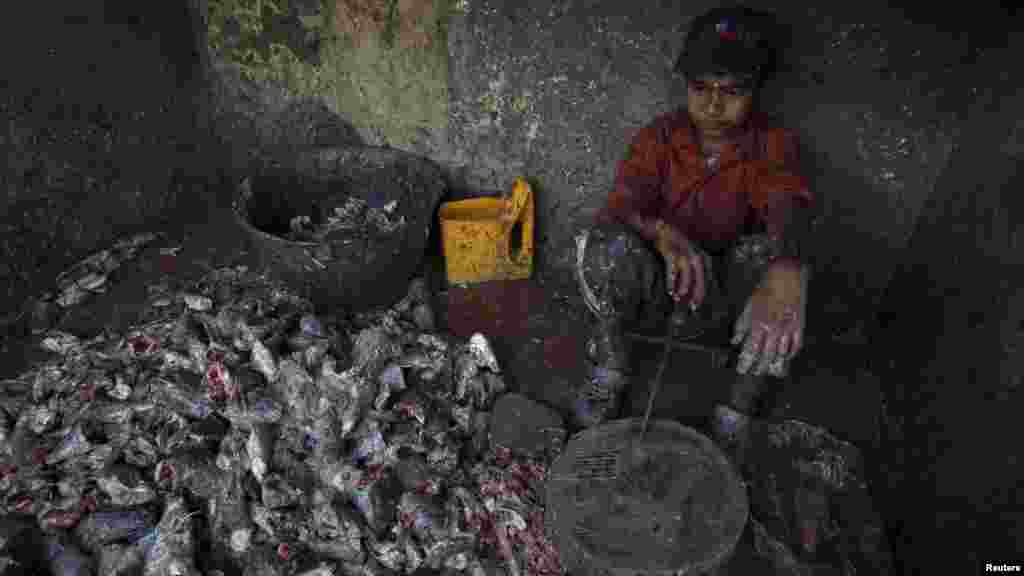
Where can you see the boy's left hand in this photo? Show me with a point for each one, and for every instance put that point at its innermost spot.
(771, 327)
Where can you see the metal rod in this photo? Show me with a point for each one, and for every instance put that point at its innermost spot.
(656, 383)
(677, 344)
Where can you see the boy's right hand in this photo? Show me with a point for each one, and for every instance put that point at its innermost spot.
(686, 267)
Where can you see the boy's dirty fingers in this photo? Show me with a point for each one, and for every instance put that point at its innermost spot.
(751, 350)
(698, 281)
(742, 326)
(670, 275)
(684, 266)
(785, 342)
(769, 351)
(797, 344)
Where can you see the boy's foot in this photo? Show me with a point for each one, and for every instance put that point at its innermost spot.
(599, 399)
(730, 429)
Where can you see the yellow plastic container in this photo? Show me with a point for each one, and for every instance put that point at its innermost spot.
(476, 237)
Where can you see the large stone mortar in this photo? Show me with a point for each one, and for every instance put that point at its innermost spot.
(350, 271)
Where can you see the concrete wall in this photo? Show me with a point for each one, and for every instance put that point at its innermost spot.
(955, 314)
(96, 131)
(325, 73)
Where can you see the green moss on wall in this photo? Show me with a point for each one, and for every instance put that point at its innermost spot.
(271, 40)
(381, 63)
(393, 75)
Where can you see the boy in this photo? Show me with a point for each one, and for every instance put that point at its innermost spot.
(705, 190)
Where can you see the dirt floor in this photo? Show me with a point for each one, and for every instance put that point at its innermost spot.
(537, 332)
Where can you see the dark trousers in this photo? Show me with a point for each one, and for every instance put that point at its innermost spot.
(622, 279)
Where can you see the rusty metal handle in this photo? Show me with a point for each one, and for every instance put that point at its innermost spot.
(518, 203)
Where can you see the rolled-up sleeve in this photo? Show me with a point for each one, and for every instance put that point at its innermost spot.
(781, 197)
(639, 179)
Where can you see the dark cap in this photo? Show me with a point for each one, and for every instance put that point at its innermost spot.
(732, 40)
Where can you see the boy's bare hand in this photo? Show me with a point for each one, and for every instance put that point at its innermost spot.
(685, 266)
(771, 327)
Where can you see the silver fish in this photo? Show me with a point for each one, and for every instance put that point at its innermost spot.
(424, 515)
(240, 540)
(391, 380)
(197, 303)
(444, 459)
(122, 495)
(390, 554)
(417, 293)
(197, 473)
(339, 475)
(181, 395)
(458, 562)
(375, 504)
(263, 361)
(279, 525)
(262, 518)
(65, 559)
(311, 326)
(173, 361)
(39, 419)
(71, 296)
(313, 355)
(370, 446)
(468, 383)
(258, 411)
(336, 531)
(260, 448)
(296, 388)
(121, 390)
(371, 349)
(322, 570)
(278, 493)
(228, 514)
(92, 281)
(462, 416)
(480, 348)
(72, 445)
(423, 317)
(414, 556)
(120, 560)
(350, 390)
(475, 568)
(141, 452)
(438, 551)
(60, 342)
(105, 527)
(169, 549)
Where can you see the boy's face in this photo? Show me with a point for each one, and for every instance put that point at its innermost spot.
(718, 104)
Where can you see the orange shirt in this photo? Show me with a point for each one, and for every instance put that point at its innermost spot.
(665, 175)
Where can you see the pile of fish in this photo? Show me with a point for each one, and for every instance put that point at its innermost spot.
(233, 431)
(353, 214)
(90, 276)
